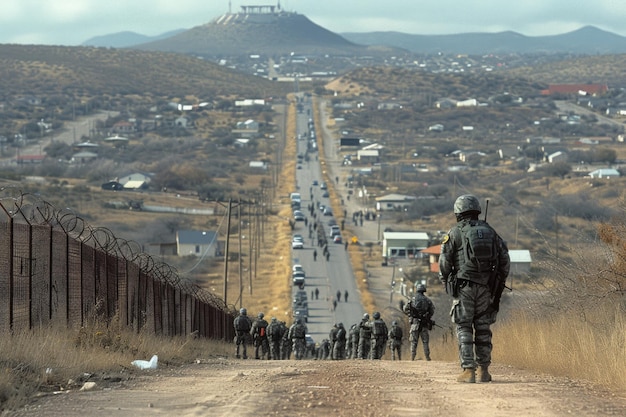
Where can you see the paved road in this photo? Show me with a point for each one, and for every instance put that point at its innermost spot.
(327, 275)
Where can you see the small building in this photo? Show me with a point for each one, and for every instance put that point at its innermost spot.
(394, 202)
(557, 157)
(135, 176)
(403, 245)
(368, 155)
(604, 173)
(84, 156)
(520, 261)
(196, 243)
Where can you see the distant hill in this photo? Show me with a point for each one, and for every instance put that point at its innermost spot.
(588, 40)
(126, 39)
(251, 33)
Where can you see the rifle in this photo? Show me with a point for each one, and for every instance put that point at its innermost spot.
(486, 208)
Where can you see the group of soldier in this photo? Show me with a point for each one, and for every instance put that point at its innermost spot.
(365, 340)
(273, 340)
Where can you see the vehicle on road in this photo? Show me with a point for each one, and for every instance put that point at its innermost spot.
(297, 244)
(323, 186)
(334, 231)
(337, 239)
(328, 211)
(301, 313)
(298, 216)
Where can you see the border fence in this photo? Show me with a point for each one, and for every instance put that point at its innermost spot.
(56, 269)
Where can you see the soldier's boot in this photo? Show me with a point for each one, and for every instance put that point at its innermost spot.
(468, 375)
(427, 357)
(483, 373)
(412, 356)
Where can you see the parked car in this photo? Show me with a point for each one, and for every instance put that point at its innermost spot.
(297, 244)
(298, 216)
(315, 182)
(337, 239)
(334, 231)
(328, 211)
(325, 194)
(323, 186)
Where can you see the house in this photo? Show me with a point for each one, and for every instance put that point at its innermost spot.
(604, 173)
(557, 157)
(403, 245)
(135, 176)
(196, 243)
(520, 261)
(123, 126)
(368, 156)
(30, 159)
(392, 202)
(259, 165)
(84, 156)
(433, 253)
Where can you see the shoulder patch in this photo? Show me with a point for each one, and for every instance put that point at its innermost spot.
(445, 239)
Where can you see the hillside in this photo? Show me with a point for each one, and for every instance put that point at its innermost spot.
(36, 69)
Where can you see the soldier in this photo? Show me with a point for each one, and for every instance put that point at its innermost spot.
(324, 351)
(285, 345)
(379, 336)
(297, 333)
(259, 336)
(355, 336)
(332, 338)
(365, 336)
(242, 324)
(473, 266)
(275, 333)
(345, 296)
(340, 343)
(420, 311)
(350, 342)
(395, 341)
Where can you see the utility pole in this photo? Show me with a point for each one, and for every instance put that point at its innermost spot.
(226, 247)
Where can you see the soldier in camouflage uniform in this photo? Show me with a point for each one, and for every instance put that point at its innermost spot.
(379, 336)
(340, 342)
(286, 343)
(365, 337)
(420, 311)
(259, 336)
(395, 341)
(242, 324)
(323, 352)
(477, 292)
(332, 338)
(275, 333)
(297, 333)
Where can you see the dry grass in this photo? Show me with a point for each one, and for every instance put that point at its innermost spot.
(561, 345)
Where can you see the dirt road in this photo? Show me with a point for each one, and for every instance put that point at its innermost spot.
(225, 387)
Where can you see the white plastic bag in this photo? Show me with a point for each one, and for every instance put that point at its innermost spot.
(151, 364)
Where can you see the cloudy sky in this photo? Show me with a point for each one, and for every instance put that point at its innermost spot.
(71, 22)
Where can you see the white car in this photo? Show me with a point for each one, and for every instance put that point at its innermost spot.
(297, 268)
(297, 244)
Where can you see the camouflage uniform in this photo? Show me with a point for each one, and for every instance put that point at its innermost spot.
(259, 335)
(242, 324)
(275, 333)
(395, 341)
(379, 337)
(332, 338)
(473, 309)
(323, 352)
(420, 311)
(350, 345)
(365, 336)
(297, 333)
(340, 343)
(285, 346)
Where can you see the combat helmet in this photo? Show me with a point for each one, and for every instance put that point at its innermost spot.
(243, 311)
(467, 203)
(260, 315)
(366, 316)
(376, 315)
(420, 288)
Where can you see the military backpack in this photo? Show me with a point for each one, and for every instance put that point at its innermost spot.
(480, 248)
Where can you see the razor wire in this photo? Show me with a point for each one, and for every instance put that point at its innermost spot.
(34, 210)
